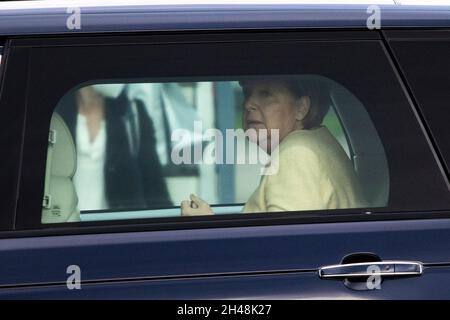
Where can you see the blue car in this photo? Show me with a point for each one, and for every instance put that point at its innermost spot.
(207, 151)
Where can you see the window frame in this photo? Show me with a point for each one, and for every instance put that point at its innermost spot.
(12, 92)
(342, 215)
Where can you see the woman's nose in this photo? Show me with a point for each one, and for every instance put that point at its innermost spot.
(249, 105)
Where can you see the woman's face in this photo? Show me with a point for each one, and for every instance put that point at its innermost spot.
(269, 105)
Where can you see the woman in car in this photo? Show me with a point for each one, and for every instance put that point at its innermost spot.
(314, 172)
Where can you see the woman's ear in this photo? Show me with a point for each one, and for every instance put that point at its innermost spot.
(303, 105)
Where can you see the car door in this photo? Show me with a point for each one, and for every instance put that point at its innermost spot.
(396, 246)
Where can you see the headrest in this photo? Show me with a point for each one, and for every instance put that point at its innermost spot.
(64, 156)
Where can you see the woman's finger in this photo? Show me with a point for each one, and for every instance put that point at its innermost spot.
(195, 207)
(185, 205)
(196, 200)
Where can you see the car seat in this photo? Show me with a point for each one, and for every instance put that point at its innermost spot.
(60, 198)
(366, 149)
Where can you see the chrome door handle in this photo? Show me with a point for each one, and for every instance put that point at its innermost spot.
(366, 269)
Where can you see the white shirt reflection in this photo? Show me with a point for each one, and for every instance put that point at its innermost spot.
(89, 178)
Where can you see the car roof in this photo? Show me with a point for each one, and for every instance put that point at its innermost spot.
(98, 16)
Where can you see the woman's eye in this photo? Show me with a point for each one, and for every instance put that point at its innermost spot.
(265, 93)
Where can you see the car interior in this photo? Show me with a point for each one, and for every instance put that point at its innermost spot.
(355, 132)
(60, 198)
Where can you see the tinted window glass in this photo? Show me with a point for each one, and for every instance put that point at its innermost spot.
(424, 59)
(345, 143)
(164, 141)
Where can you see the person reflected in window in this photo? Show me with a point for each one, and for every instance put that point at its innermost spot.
(314, 172)
(118, 167)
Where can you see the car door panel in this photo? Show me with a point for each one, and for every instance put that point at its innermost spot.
(152, 257)
(433, 284)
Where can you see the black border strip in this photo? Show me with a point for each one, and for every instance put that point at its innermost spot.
(289, 218)
(194, 36)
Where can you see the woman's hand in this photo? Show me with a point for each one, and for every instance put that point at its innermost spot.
(195, 207)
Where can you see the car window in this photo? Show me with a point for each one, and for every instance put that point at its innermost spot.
(424, 59)
(224, 137)
(165, 141)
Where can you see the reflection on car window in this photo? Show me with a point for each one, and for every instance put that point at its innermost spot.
(254, 144)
